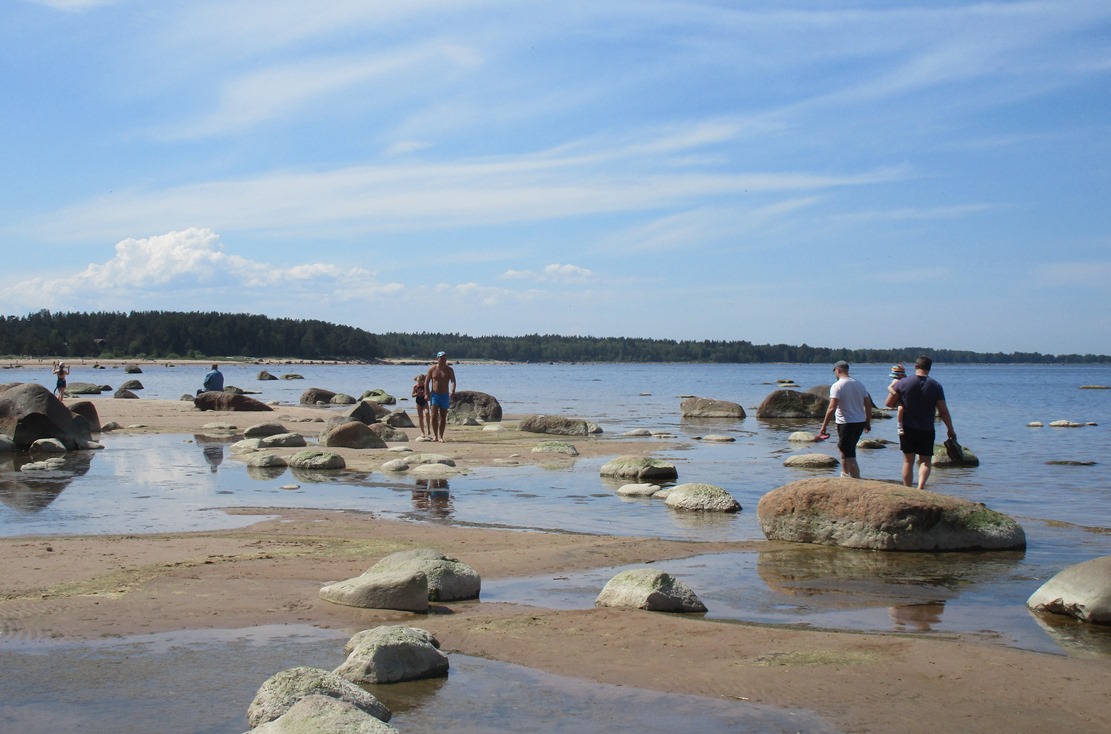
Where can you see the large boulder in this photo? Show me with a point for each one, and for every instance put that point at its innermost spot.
(225, 401)
(123, 394)
(469, 404)
(647, 588)
(352, 435)
(403, 590)
(639, 467)
(131, 385)
(85, 388)
(282, 441)
(399, 419)
(324, 714)
(379, 396)
(448, 579)
(793, 404)
(367, 412)
(29, 412)
(1082, 591)
(391, 654)
(281, 691)
(864, 513)
(388, 433)
(315, 395)
(317, 460)
(698, 497)
(554, 424)
(86, 410)
(710, 408)
(262, 430)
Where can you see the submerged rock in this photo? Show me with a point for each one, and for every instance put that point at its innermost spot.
(701, 498)
(393, 653)
(710, 408)
(639, 467)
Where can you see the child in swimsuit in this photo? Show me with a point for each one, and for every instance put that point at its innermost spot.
(420, 394)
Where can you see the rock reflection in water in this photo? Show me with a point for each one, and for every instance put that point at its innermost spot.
(847, 578)
(35, 491)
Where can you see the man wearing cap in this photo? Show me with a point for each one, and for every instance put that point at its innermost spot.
(441, 389)
(921, 398)
(851, 406)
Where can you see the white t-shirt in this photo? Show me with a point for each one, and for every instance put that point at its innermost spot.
(850, 396)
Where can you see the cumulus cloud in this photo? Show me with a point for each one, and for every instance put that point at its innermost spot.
(552, 273)
(193, 265)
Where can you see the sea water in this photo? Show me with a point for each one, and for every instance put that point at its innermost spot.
(165, 483)
(161, 483)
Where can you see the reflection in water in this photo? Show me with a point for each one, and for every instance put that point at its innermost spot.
(34, 491)
(1082, 639)
(432, 498)
(916, 617)
(214, 455)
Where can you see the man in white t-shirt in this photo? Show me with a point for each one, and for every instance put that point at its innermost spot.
(851, 406)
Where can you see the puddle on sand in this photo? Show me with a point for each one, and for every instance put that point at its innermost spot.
(203, 681)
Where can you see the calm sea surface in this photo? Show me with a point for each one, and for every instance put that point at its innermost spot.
(178, 482)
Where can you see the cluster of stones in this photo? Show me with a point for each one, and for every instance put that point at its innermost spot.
(304, 699)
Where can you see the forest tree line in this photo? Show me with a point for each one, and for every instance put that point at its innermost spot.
(210, 335)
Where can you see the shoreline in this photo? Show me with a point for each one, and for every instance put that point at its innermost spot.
(85, 587)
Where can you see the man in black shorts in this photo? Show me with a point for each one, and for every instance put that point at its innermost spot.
(922, 397)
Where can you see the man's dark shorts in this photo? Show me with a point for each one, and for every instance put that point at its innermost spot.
(847, 436)
(917, 441)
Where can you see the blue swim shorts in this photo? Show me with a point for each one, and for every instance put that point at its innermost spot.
(440, 400)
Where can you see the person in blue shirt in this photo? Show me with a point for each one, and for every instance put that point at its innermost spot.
(213, 381)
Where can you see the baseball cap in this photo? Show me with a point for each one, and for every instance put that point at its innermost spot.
(440, 354)
(841, 365)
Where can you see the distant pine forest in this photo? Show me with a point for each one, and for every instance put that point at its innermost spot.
(168, 335)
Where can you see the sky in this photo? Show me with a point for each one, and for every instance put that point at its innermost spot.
(841, 174)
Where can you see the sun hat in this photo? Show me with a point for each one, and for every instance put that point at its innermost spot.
(898, 372)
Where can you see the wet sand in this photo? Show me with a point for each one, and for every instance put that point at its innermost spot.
(88, 588)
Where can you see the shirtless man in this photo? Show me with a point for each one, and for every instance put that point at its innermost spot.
(441, 389)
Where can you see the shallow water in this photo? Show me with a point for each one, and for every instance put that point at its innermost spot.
(149, 683)
(155, 483)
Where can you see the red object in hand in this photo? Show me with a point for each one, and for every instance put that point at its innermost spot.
(823, 436)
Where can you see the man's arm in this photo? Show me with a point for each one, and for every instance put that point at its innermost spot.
(451, 379)
(893, 399)
(943, 413)
(829, 415)
(868, 405)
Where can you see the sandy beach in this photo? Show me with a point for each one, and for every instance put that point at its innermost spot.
(269, 573)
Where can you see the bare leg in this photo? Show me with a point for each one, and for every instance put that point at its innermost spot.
(851, 466)
(925, 465)
(908, 469)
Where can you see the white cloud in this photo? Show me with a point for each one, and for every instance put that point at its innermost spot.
(552, 273)
(190, 264)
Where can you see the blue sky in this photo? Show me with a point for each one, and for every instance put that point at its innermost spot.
(841, 174)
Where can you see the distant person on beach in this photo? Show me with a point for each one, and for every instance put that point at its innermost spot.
(850, 406)
(61, 370)
(213, 381)
(441, 384)
(420, 394)
(921, 398)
